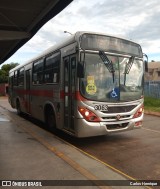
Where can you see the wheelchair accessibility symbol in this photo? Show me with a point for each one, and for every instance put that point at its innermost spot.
(113, 93)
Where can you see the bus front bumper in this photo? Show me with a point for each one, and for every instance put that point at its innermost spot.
(88, 129)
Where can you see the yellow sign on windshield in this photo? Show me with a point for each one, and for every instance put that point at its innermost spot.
(91, 87)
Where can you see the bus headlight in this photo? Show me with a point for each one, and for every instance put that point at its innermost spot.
(88, 114)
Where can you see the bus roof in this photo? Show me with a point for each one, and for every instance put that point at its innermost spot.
(71, 39)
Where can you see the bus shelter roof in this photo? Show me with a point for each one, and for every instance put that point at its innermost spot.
(20, 20)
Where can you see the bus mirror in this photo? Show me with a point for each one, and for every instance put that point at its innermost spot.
(145, 62)
(80, 69)
(146, 66)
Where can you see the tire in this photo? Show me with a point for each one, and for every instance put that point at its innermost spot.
(50, 120)
(18, 107)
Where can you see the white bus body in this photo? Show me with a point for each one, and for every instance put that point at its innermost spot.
(92, 84)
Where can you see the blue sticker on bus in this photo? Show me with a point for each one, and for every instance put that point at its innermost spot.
(114, 93)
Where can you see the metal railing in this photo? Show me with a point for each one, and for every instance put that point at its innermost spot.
(152, 89)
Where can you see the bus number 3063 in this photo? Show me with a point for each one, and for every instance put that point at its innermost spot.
(101, 107)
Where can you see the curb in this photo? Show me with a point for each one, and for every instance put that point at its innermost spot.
(152, 113)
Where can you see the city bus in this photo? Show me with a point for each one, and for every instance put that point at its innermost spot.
(89, 85)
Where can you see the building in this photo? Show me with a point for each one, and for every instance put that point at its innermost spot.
(3, 89)
(153, 71)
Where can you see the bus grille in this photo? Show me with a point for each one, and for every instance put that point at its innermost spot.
(114, 117)
(116, 126)
(119, 109)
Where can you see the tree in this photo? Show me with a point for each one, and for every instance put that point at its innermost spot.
(4, 71)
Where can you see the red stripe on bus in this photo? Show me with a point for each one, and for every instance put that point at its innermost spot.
(63, 94)
(76, 95)
(21, 91)
(79, 97)
(50, 93)
(45, 93)
(42, 93)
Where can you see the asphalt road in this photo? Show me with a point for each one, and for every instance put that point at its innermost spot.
(135, 153)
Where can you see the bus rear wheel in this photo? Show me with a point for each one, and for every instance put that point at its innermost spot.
(18, 107)
(50, 120)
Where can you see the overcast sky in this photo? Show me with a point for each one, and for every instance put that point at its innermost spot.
(138, 20)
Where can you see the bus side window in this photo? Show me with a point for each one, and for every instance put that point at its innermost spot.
(11, 81)
(52, 68)
(38, 72)
(15, 80)
(20, 77)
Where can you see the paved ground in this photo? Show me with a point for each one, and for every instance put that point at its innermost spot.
(136, 153)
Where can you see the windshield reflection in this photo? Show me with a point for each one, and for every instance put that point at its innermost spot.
(98, 83)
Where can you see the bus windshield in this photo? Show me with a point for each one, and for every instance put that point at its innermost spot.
(100, 84)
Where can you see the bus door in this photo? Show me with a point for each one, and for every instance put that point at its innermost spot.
(69, 91)
(28, 96)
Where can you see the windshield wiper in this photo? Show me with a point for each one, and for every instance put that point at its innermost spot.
(107, 63)
(128, 67)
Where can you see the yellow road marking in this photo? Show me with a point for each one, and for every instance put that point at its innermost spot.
(151, 130)
(75, 165)
(106, 164)
(72, 163)
(93, 157)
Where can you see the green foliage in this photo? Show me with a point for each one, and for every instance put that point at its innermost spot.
(4, 71)
(152, 104)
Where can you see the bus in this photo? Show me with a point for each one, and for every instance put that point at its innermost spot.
(89, 85)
